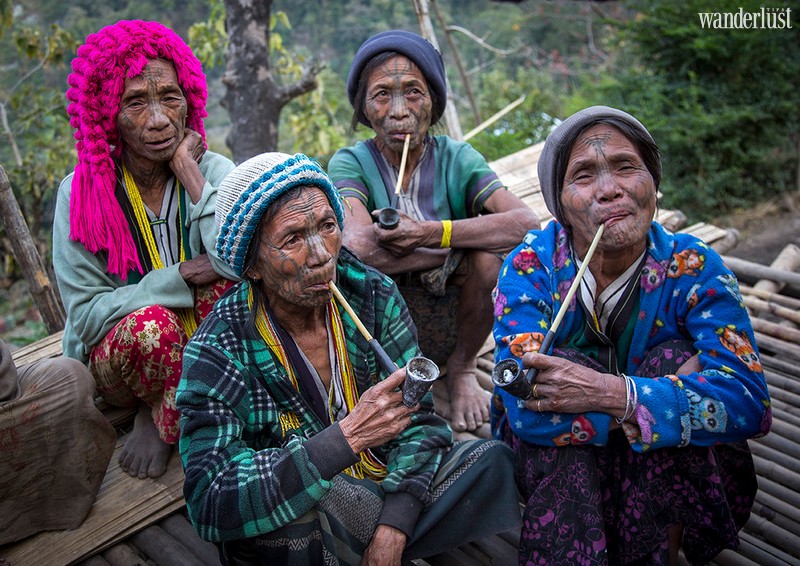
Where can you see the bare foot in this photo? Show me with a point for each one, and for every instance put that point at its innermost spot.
(144, 453)
(469, 402)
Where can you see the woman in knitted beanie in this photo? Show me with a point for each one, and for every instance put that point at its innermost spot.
(134, 232)
(456, 217)
(297, 448)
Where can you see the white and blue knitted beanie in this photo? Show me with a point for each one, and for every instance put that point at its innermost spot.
(247, 191)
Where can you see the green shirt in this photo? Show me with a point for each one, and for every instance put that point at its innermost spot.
(95, 300)
(249, 471)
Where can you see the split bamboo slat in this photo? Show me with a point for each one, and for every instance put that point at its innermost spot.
(772, 535)
(123, 506)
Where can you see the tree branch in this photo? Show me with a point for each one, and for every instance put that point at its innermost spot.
(306, 83)
(482, 43)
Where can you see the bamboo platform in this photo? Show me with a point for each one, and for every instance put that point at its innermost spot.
(143, 521)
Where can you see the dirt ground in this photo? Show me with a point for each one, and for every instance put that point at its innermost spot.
(765, 229)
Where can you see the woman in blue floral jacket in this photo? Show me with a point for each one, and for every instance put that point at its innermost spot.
(633, 445)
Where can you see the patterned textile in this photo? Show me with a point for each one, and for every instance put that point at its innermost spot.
(247, 192)
(435, 318)
(454, 179)
(55, 446)
(611, 505)
(468, 502)
(96, 300)
(256, 456)
(141, 357)
(685, 293)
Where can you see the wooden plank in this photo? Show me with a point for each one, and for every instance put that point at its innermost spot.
(48, 347)
(124, 506)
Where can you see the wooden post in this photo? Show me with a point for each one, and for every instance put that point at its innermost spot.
(450, 113)
(26, 254)
(459, 65)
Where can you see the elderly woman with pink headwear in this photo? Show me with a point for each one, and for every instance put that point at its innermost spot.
(134, 232)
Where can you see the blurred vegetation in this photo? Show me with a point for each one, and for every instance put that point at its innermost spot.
(722, 104)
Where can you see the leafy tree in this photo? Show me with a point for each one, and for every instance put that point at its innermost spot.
(528, 123)
(39, 150)
(721, 103)
(256, 91)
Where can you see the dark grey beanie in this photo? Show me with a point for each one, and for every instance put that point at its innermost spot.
(413, 46)
(553, 160)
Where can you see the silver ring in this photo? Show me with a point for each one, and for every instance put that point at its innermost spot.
(539, 406)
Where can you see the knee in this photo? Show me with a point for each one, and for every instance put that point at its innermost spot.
(157, 321)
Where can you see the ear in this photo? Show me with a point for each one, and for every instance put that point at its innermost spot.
(252, 274)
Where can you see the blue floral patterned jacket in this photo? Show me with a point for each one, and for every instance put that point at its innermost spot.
(686, 293)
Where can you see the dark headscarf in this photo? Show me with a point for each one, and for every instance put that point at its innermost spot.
(557, 147)
(411, 45)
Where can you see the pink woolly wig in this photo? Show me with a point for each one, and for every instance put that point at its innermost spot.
(95, 88)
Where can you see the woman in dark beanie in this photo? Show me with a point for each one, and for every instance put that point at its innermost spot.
(456, 217)
(633, 445)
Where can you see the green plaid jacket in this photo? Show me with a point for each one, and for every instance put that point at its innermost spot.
(246, 472)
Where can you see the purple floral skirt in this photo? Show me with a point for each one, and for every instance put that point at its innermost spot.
(599, 505)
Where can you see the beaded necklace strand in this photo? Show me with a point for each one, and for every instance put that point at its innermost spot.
(185, 315)
(344, 380)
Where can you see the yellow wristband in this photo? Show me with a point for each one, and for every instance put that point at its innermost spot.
(447, 230)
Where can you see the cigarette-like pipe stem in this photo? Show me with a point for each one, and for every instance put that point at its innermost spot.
(384, 360)
(399, 186)
(530, 377)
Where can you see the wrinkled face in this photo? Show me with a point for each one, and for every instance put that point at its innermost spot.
(152, 114)
(297, 252)
(606, 181)
(398, 102)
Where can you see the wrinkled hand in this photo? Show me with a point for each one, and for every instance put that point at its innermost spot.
(379, 416)
(386, 547)
(409, 235)
(198, 271)
(566, 387)
(191, 147)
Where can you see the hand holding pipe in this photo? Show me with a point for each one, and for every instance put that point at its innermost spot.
(507, 374)
(388, 218)
(530, 377)
(420, 371)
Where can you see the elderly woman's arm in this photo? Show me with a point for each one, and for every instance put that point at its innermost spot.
(728, 400)
(525, 305)
(720, 396)
(94, 300)
(234, 489)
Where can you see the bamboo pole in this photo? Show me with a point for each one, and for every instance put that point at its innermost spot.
(754, 303)
(494, 118)
(764, 553)
(752, 270)
(778, 299)
(787, 260)
(779, 347)
(786, 333)
(450, 113)
(775, 465)
(43, 292)
(779, 492)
